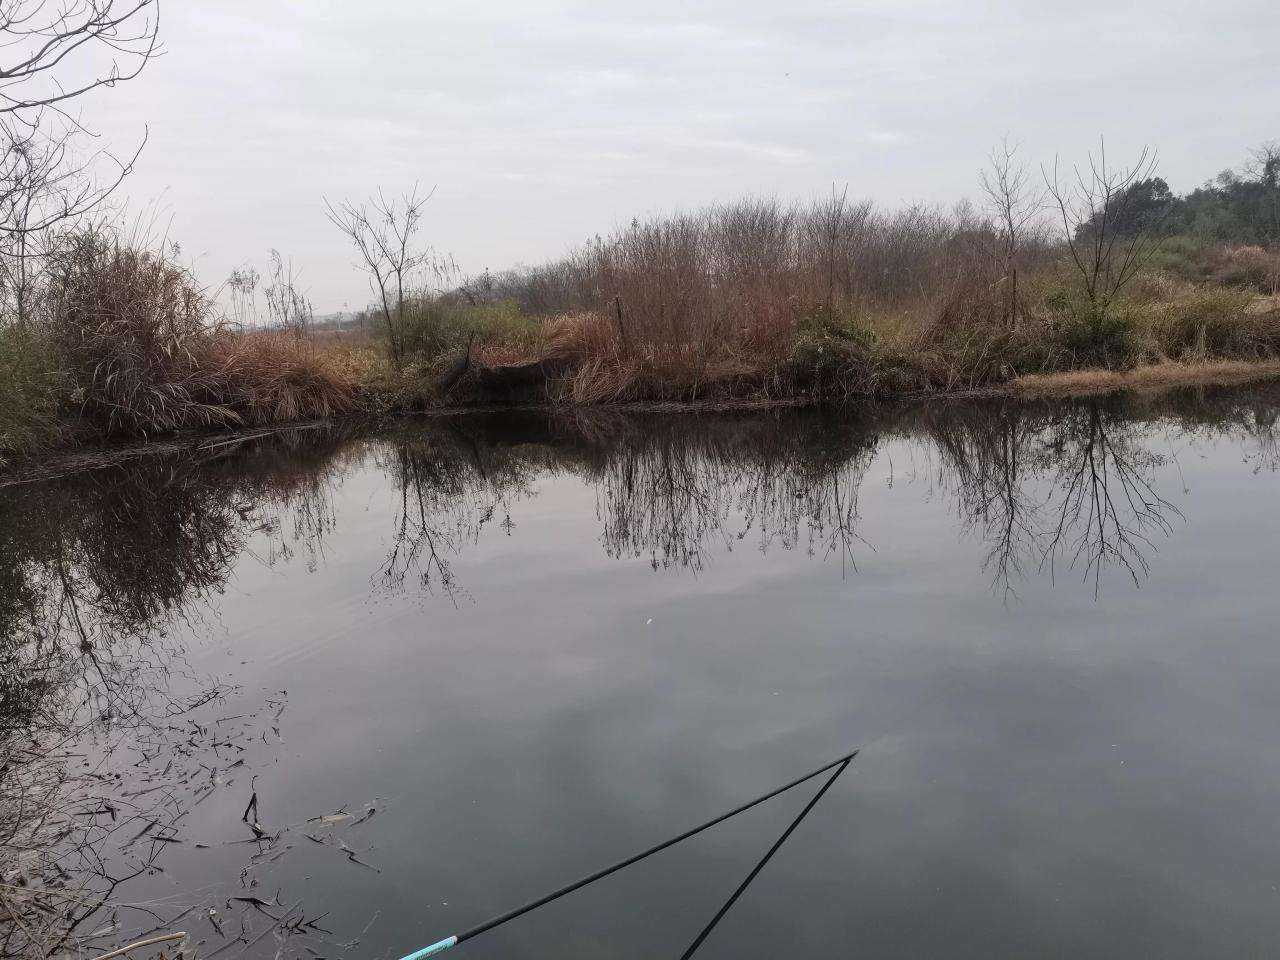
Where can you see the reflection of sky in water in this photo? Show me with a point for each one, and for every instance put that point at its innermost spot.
(1045, 774)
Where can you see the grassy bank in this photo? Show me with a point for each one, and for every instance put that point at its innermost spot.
(752, 303)
(661, 313)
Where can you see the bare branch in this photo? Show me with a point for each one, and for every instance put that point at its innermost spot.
(1106, 244)
(48, 40)
(1015, 204)
(384, 232)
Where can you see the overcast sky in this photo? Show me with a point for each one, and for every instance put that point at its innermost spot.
(542, 124)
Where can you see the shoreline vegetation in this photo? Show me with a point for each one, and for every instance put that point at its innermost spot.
(1093, 281)
(1144, 383)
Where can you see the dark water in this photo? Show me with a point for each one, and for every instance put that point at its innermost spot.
(535, 646)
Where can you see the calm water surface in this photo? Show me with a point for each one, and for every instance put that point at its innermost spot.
(499, 653)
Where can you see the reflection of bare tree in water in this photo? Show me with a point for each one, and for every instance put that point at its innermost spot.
(986, 456)
(94, 574)
(1041, 484)
(105, 560)
(450, 488)
(668, 488)
(1048, 484)
(1109, 509)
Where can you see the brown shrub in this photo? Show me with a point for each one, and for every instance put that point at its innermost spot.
(148, 353)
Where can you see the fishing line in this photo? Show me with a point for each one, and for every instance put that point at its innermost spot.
(475, 931)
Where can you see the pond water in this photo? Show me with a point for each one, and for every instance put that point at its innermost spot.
(462, 663)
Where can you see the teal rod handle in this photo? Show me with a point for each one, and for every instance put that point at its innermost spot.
(432, 950)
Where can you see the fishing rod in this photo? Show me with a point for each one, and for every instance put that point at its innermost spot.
(475, 931)
(728, 904)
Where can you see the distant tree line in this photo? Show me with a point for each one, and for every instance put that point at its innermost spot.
(1234, 207)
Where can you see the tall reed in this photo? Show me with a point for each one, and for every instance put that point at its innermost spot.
(148, 352)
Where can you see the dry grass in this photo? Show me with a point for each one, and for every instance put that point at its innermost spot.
(132, 329)
(956, 343)
(1202, 323)
(276, 377)
(147, 353)
(1246, 266)
(30, 387)
(757, 301)
(1148, 378)
(753, 299)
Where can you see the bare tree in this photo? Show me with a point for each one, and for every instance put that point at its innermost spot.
(45, 180)
(1264, 166)
(1108, 245)
(1264, 163)
(828, 223)
(830, 233)
(384, 233)
(47, 41)
(44, 185)
(53, 52)
(1014, 202)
